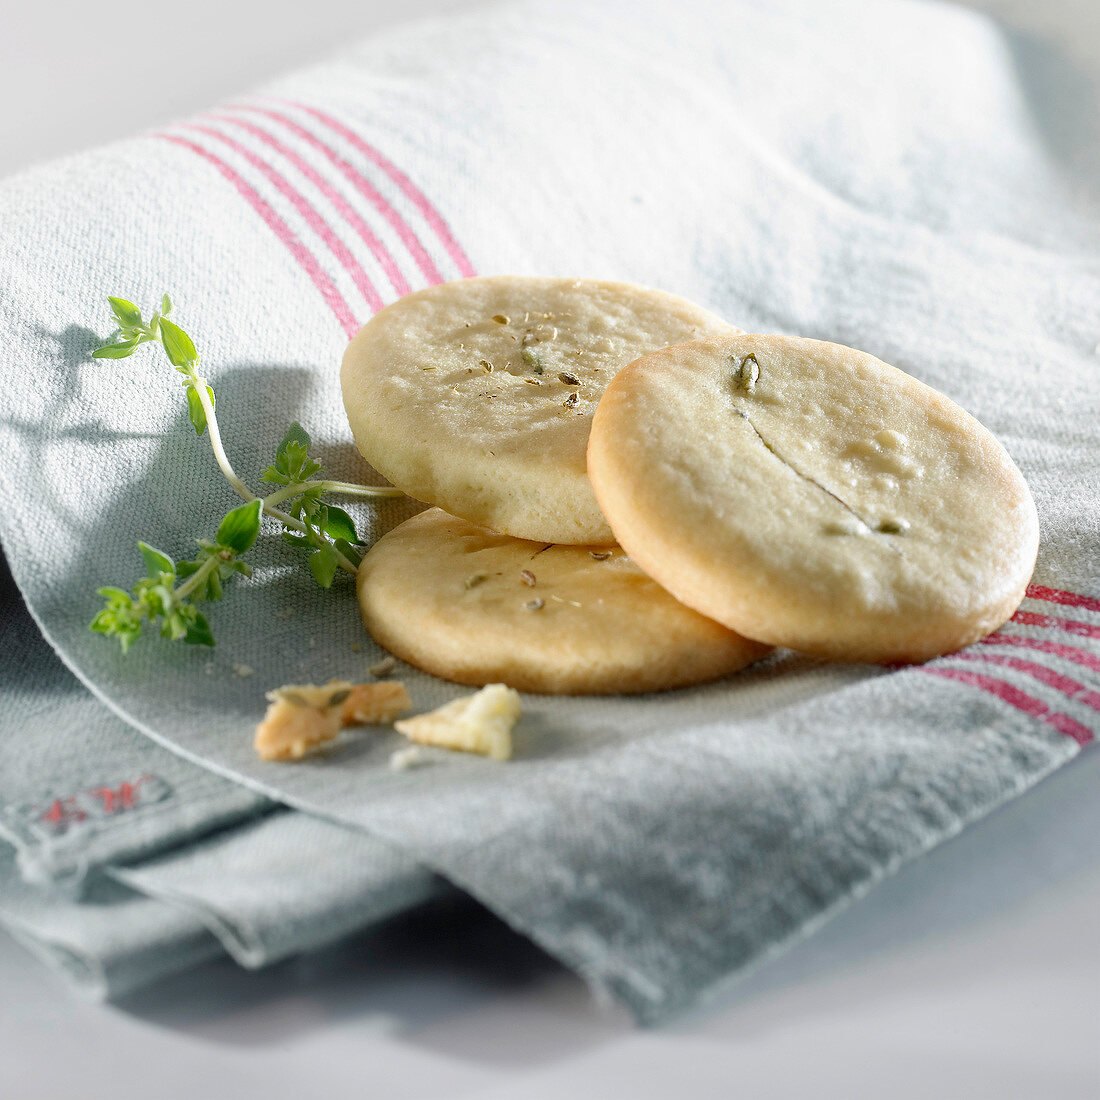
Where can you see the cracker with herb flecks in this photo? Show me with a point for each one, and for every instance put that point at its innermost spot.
(811, 496)
(477, 395)
(477, 607)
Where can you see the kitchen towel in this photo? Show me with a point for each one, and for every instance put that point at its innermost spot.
(124, 863)
(902, 177)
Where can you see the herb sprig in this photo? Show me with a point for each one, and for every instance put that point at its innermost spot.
(170, 591)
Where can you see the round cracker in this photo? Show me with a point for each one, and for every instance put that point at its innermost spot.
(812, 496)
(477, 607)
(478, 395)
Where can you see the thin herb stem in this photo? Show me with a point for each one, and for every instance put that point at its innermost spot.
(196, 579)
(242, 489)
(288, 491)
(220, 456)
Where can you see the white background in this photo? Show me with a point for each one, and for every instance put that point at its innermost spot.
(974, 973)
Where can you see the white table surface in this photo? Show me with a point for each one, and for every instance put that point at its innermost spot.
(973, 973)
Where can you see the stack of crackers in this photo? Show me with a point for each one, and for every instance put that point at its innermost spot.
(631, 494)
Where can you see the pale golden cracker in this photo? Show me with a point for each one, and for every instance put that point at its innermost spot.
(476, 607)
(478, 395)
(811, 496)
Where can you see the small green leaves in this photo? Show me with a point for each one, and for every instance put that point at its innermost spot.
(127, 314)
(167, 596)
(240, 527)
(116, 351)
(292, 461)
(339, 525)
(119, 618)
(133, 331)
(195, 412)
(322, 564)
(156, 561)
(198, 629)
(177, 344)
(350, 552)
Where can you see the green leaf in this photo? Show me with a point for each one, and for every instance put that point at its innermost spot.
(156, 598)
(195, 410)
(309, 503)
(165, 305)
(156, 561)
(339, 525)
(128, 315)
(322, 565)
(186, 568)
(276, 476)
(214, 586)
(116, 597)
(174, 626)
(349, 551)
(198, 630)
(181, 351)
(240, 527)
(115, 351)
(105, 622)
(295, 434)
(299, 542)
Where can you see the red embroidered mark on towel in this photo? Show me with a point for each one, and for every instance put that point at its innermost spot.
(64, 811)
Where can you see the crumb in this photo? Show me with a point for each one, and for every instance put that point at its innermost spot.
(480, 723)
(373, 704)
(383, 667)
(302, 717)
(243, 670)
(411, 757)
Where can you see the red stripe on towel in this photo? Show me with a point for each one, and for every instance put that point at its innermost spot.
(311, 217)
(306, 260)
(408, 188)
(1048, 676)
(366, 234)
(408, 238)
(1063, 723)
(1060, 595)
(1055, 622)
(1041, 645)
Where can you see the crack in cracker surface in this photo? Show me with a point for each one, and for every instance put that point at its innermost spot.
(806, 477)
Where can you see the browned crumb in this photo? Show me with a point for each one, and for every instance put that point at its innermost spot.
(373, 704)
(301, 717)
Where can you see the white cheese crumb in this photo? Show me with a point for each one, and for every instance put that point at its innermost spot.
(412, 757)
(243, 670)
(480, 723)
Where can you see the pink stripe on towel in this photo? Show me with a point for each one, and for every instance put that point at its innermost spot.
(1060, 595)
(1067, 686)
(306, 260)
(313, 219)
(408, 188)
(378, 249)
(1055, 622)
(408, 238)
(1063, 723)
(1041, 645)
